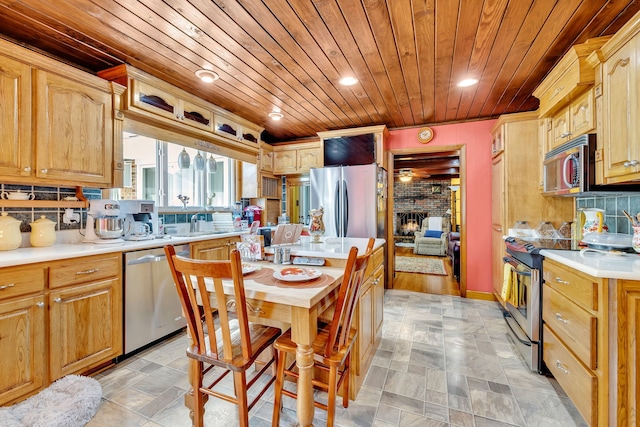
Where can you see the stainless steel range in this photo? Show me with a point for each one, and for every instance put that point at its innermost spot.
(524, 315)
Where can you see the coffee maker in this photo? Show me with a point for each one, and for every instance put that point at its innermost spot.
(140, 221)
(105, 222)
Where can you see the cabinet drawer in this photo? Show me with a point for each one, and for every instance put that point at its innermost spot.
(573, 325)
(578, 382)
(21, 280)
(82, 270)
(576, 287)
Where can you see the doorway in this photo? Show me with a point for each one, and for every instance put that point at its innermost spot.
(436, 165)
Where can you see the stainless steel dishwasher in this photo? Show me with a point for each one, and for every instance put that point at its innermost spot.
(152, 308)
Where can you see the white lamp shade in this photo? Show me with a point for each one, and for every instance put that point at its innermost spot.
(184, 161)
(213, 166)
(199, 162)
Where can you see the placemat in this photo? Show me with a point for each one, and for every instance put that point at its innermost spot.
(262, 272)
(323, 280)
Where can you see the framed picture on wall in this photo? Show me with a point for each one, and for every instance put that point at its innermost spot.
(436, 189)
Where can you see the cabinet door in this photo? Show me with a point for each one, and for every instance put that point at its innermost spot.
(308, 158)
(366, 336)
(154, 100)
(212, 249)
(266, 160)
(196, 115)
(284, 162)
(74, 140)
(378, 301)
(560, 128)
(250, 136)
(582, 114)
(226, 127)
(620, 111)
(15, 118)
(85, 327)
(22, 347)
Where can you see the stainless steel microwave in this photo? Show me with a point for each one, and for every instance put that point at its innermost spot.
(569, 170)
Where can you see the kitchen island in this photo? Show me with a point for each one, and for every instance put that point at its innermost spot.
(69, 300)
(590, 304)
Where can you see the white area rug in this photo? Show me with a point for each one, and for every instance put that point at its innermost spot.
(71, 401)
(420, 265)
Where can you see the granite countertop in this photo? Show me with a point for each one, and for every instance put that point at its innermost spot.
(330, 247)
(608, 266)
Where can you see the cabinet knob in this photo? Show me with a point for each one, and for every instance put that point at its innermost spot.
(40, 304)
(58, 300)
(27, 169)
(44, 170)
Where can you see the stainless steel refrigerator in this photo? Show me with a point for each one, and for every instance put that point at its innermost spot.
(354, 199)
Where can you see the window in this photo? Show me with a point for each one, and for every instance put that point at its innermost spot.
(155, 174)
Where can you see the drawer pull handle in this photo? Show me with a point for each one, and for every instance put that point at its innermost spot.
(40, 304)
(562, 319)
(559, 280)
(560, 366)
(10, 285)
(93, 270)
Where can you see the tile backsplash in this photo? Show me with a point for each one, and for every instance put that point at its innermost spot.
(30, 214)
(613, 206)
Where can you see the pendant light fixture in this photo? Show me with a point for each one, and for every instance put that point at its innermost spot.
(199, 162)
(184, 161)
(212, 164)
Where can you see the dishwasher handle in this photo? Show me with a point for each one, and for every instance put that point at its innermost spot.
(147, 259)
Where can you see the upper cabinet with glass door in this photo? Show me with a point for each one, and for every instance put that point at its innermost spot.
(154, 101)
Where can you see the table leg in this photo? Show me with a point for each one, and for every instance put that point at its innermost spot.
(305, 408)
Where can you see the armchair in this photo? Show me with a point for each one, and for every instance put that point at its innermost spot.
(432, 245)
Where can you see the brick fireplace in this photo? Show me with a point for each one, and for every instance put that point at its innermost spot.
(415, 200)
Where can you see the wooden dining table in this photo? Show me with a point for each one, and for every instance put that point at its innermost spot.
(287, 304)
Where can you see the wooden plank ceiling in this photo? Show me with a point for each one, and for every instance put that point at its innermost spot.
(407, 54)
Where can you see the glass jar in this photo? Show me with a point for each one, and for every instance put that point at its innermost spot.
(521, 229)
(546, 230)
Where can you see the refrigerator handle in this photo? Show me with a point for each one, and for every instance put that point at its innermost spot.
(336, 208)
(345, 209)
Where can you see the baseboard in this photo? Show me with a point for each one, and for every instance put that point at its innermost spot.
(486, 296)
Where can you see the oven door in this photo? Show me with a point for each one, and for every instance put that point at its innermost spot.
(523, 312)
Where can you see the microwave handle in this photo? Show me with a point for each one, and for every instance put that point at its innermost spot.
(570, 158)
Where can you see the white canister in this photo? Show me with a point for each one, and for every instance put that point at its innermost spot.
(10, 236)
(43, 232)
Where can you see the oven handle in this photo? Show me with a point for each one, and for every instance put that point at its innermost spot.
(515, 334)
(514, 263)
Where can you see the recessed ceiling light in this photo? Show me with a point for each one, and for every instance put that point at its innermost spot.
(276, 115)
(467, 82)
(348, 81)
(207, 76)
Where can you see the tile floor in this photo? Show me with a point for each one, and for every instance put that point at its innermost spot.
(442, 361)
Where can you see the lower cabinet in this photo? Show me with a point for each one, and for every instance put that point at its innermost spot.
(58, 318)
(369, 315)
(215, 249)
(22, 347)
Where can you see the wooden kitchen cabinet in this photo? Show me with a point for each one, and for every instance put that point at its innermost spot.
(15, 111)
(231, 128)
(515, 191)
(574, 312)
(576, 119)
(57, 122)
(266, 158)
(22, 333)
(296, 158)
(215, 249)
(85, 313)
(620, 98)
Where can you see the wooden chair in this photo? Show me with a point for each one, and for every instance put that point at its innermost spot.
(332, 345)
(234, 346)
